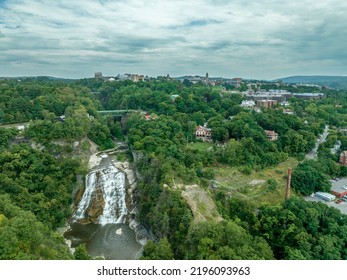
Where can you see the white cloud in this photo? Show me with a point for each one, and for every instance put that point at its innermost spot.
(260, 39)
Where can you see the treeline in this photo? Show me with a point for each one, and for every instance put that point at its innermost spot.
(22, 101)
(39, 183)
(295, 230)
(56, 111)
(35, 199)
(24, 237)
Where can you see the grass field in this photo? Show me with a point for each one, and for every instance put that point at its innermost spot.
(255, 186)
(200, 146)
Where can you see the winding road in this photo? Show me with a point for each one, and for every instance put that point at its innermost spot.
(313, 154)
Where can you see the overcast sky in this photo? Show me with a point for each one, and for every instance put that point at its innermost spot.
(262, 39)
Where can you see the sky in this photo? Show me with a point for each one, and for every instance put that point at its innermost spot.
(260, 39)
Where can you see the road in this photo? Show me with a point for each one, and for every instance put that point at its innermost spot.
(321, 139)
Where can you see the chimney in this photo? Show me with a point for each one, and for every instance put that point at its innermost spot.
(288, 183)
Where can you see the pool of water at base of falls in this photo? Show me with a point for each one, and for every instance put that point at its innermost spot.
(110, 241)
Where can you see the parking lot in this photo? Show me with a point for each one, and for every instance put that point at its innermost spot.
(342, 206)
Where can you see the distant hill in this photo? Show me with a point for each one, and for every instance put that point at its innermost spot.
(339, 82)
(39, 78)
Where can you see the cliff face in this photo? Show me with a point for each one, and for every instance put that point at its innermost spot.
(95, 208)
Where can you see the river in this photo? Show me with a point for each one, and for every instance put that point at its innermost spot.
(102, 216)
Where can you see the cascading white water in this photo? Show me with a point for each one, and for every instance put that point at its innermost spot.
(110, 181)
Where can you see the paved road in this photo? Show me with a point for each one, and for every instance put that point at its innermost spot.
(321, 139)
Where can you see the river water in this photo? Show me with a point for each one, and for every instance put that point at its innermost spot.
(104, 229)
(110, 241)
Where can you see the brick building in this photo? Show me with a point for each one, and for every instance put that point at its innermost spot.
(343, 158)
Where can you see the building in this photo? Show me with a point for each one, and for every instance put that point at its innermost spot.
(247, 104)
(288, 111)
(203, 133)
(206, 79)
(134, 77)
(325, 196)
(343, 158)
(309, 96)
(265, 103)
(98, 75)
(339, 188)
(149, 117)
(284, 103)
(271, 135)
(141, 78)
(61, 118)
(173, 97)
(343, 131)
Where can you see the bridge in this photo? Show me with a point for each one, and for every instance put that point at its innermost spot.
(115, 113)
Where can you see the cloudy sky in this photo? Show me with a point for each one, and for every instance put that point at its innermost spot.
(261, 39)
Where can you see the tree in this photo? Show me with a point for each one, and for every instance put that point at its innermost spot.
(157, 251)
(307, 179)
(81, 252)
(225, 240)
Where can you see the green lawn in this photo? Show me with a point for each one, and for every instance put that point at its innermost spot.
(200, 146)
(255, 186)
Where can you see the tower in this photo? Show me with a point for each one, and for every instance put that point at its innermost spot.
(206, 78)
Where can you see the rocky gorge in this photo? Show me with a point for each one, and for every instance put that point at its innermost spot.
(105, 216)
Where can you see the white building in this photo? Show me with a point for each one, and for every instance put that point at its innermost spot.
(247, 104)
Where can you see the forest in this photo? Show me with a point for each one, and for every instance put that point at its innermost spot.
(40, 167)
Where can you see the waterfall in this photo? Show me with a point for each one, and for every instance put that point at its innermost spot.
(104, 197)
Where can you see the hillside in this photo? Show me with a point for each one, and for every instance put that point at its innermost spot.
(338, 82)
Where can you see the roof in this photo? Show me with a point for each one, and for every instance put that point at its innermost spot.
(270, 132)
(343, 153)
(326, 194)
(202, 127)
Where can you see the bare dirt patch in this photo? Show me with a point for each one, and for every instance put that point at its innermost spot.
(256, 182)
(201, 204)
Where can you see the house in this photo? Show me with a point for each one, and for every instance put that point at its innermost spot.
(288, 111)
(343, 158)
(271, 135)
(203, 133)
(149, 117)
(173, 97)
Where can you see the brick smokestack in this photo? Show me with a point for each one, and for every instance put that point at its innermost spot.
(288, 183)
